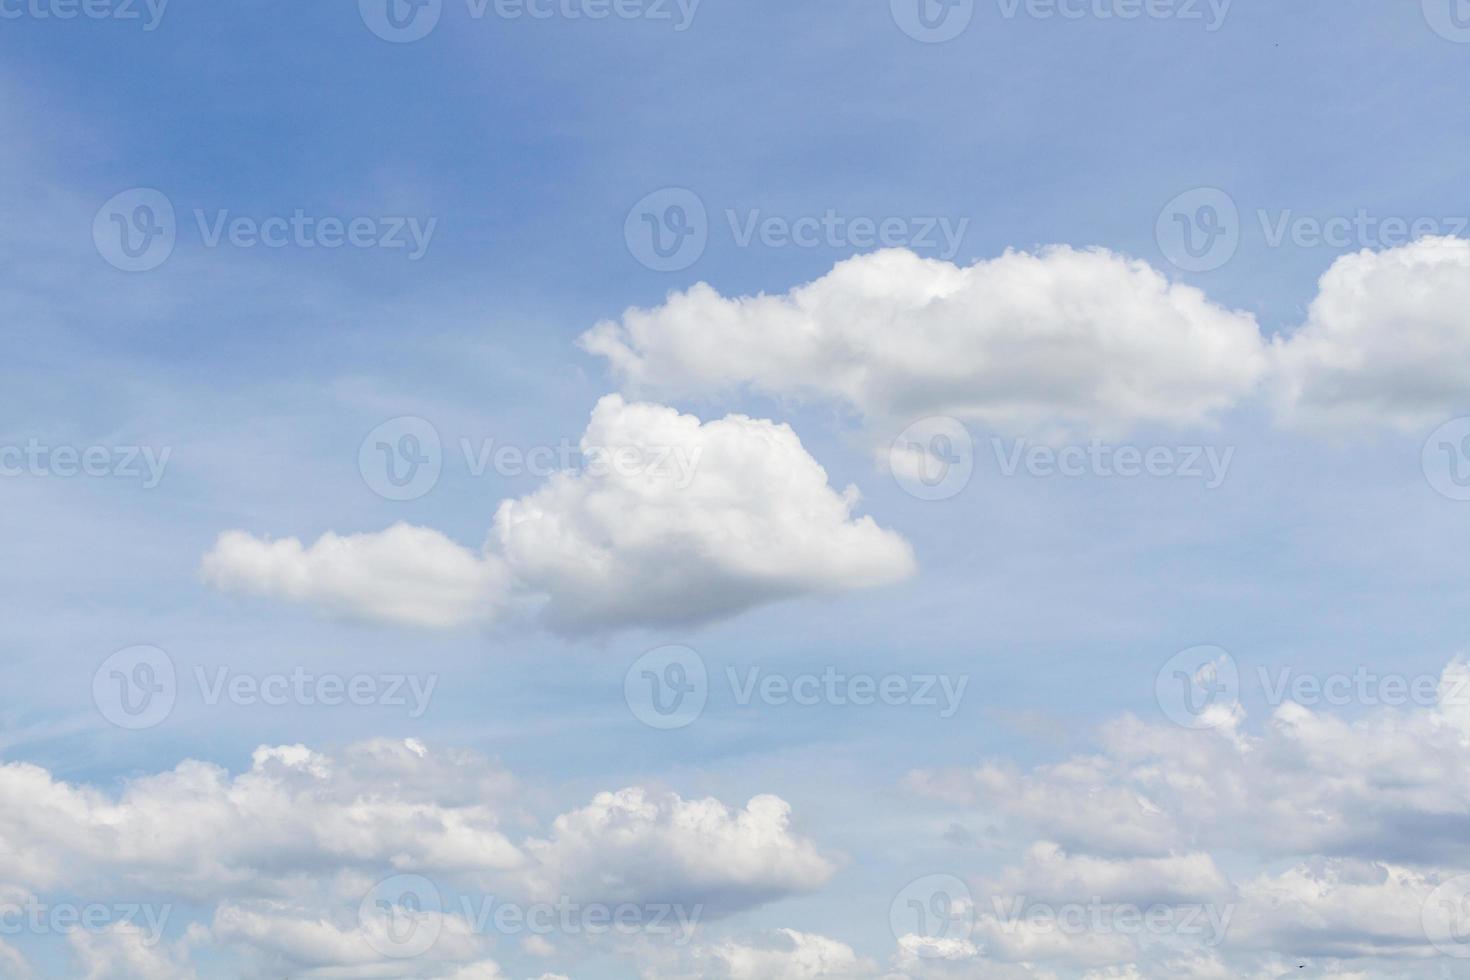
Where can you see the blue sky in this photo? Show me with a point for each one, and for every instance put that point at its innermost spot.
(1325, 548)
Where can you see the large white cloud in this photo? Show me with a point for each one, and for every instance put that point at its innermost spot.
(1029, 343)
(1386, 342)
(671, 521)
(1317, 839)
(286, 854)
(636, 846)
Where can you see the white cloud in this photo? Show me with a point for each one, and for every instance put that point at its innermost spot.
(629, 540)
(1062, 339)
(409, 575)
(781, 954)
(288, 853)
(1386, 342)
(636, 846)
(124, 952)
(1047, 873)
(1369, 816)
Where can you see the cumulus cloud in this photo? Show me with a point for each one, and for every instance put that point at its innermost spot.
(781, 953)
(628, 540)
(289, 856)
(1027, 343)
(408, 575)
(125, 952)
(633, 846)
(1386, 342)
(1067, 342)
(1338, 833)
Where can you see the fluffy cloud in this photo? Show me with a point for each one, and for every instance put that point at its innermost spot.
(633, 846)
(1026, 343)
(782, 953)
(290, 854)
(199, 831)
(1340, 833)
(1064, 341)
(1386, 342)
(745, 517)
(409, 575)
